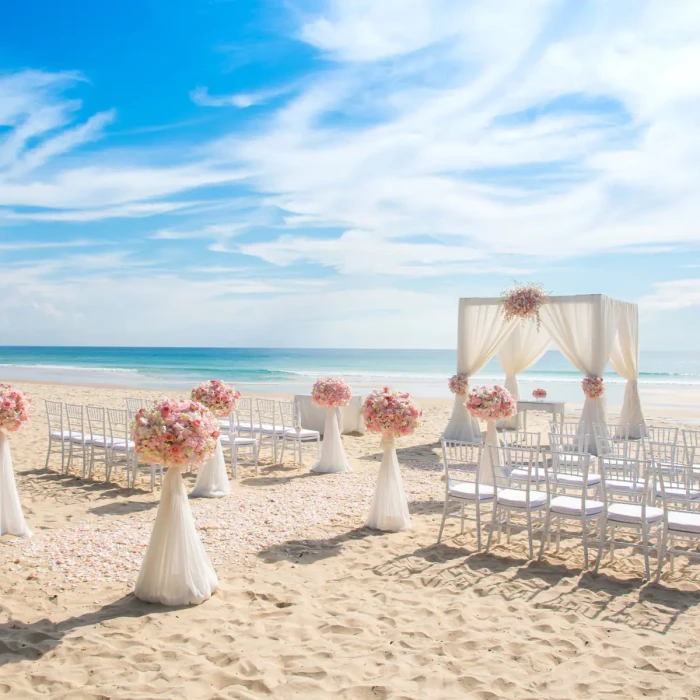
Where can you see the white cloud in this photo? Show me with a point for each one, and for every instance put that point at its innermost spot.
(673, 295)
(242, 100)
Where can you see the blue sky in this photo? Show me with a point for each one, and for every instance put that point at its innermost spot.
(338, 173)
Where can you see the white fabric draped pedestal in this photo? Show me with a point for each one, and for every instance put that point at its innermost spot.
(389, 509)
(625, 361)
(481, 333)
(485, 466)
(333, 459)
(521, 349)
(176, 569)
(11, 516)
(212, 477)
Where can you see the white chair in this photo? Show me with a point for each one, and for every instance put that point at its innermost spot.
(564, 437)
(660, 433)
(80, 438)
(294, 434)
(623, 476)
(691, 444)
(679, 495)
(269, 429)
(613, 441)
(566, 476)
(644, 520)
(119, 442)
(246, 425)
(461, 461)
(97, 422)
(134, 404)
(531, 441)
(516, 497)
(57, 432)
(231, 441)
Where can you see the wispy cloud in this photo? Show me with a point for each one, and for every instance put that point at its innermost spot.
(673, 295)
(242, 100)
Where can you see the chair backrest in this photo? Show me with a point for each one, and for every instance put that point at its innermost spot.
(506, 459)
(118, 421)
(96, 420)
(461, 461)
(564, 427)
(570, 464)
(244, 413)
(520, 438)
(134, 404)
(267, 411)
(76, 418)
(54, 415)
(621, 478)
(569, 443)
(691, 442)
(660, 433)
(291, 414)
(679, 487)
(613, 440)
(663, 454)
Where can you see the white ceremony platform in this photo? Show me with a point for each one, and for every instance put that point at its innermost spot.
(590, 330)
(556, 408)
(313, 416)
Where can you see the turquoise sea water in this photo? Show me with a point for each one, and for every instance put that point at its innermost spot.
(274, 370)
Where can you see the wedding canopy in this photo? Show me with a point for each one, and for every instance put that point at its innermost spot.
(590, 330)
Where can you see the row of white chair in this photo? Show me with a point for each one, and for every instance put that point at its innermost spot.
(648, 495)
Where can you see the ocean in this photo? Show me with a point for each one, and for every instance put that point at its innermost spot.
(275, 370)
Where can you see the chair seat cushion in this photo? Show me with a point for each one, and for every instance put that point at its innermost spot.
(622, 486)
(570, 505)
(518, 498)
(121, 445)
(678, 521)
(576, 479)
(270, 429)
(304, 433)
(66, 435)
(679, 494)
(467, 491)
(225, 423)
(242, 441)
(536, 474)
(632, 513)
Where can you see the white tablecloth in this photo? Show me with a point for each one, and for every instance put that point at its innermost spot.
(313, 417)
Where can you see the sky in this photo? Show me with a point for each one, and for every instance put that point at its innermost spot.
(337, 173)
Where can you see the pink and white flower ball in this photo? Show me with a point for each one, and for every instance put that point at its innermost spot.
(491, 403)
(459, 384)
(392, 413)
(331, 392)
(593, 387)
(539, 394)
(175, 433)
(14, 408)
(220, 398)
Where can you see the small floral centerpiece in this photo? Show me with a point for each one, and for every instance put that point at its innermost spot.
(391, 413)
(220, 398)
(331, 392)
(175, 433)
(539, 394)
(524, 302)
(593, 387)
(459, 384)
(14, 408)
(491, 403)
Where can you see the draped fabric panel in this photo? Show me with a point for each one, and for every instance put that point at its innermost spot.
(584, 329)
(625, 361)
(481, 333)
(522, 348)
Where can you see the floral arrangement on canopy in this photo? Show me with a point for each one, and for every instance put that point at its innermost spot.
(524, 302)
(491, 403)
(14, 408)
(593, 387)
(539, 394)
(331, 392)
(220, 398)
(392, 413)
(459, 384)
(175, 433)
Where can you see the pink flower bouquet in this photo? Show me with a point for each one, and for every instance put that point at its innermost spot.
(331, 392)
(539, 394)
(593, 387)
(220, 398)
(175, 433)
(459, 384)
(14, 408)
(491, 403)
(524, 302)
(391, 413)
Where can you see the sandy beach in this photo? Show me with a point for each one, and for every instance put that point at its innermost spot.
(311, 604)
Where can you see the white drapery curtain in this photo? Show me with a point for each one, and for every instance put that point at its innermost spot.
(481, 333)
(11, 517)
(389, 509)
(522, 348)
(625, 361)
(212, 477)
(584, 329)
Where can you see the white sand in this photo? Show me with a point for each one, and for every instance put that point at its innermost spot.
(313, 606)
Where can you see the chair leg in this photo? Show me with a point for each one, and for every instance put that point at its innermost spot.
(545, 533)
(584, 535)
(257, 458)
(661, 553)
(301, 461)
(491, 529)
(284, 446)
(645, 545)
(444, 517)
(63, 457)
(461, 530)
(601, 544)
(478, 526)
(529, 533)
(48, 453)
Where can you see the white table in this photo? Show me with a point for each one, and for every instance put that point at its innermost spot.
(313, 416)
(556, 408)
